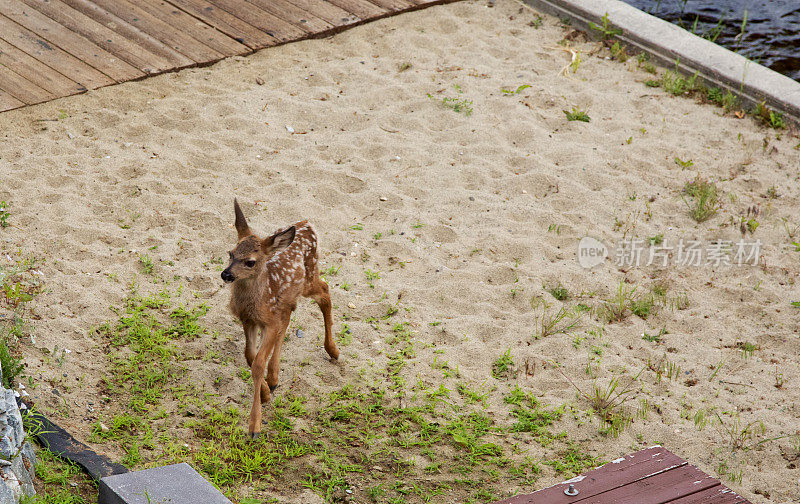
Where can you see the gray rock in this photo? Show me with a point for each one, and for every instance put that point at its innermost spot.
(17, 458)
(176, 484)
(23, 476)
(7, 495)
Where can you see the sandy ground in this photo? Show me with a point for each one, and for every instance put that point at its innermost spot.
(486, 210)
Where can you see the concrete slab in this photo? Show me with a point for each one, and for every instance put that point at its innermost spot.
(716, 66)
(174, 484)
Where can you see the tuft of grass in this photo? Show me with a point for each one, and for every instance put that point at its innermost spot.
(146, 263)
(705, 200)
(605, 29)
(4, 214)
(617, 308)
(563, 321)
(503, 367)
(577, 115)
(559, 292)
(517, 91)
(11, 365)
(727, 100)
(675, 83)
(747, 348)
(456, 103)
(768, 116)
(618, 52)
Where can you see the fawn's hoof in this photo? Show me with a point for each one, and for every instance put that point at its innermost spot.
(273, 387)
(254, 435)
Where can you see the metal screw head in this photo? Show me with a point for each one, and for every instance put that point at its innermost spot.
(571, 490)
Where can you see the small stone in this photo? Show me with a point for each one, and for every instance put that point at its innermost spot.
(472, 198)
(289, 129)
(103, 427)
(299, 333)
(383, 198)
(259, 81)
(351, 306)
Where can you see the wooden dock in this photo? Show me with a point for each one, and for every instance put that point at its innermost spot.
(651, 476)
(55, 48)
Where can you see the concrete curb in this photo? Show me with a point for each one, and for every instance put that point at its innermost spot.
(716, 66)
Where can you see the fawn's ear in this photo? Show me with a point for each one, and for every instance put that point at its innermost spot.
(241, 223)
(277, 242)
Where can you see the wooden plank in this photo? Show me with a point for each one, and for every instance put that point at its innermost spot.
(394, 5)
(659, 489)
(133, 33)
(21, 88)
(715, 495)
(361, 8)
(52, 56)
(290, 13)
(33, 70)
(631, 468)
(201, 32)
(8, 102)
(262, 20)
(165, 33)
(327, 11)
(227, 23)
(69, 41)
(100, 35)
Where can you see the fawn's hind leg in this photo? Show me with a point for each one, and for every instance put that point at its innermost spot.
(319, 292)
(251, 333)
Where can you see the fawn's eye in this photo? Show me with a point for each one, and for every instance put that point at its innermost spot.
(249, 263)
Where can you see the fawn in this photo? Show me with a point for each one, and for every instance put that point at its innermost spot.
(268, 276)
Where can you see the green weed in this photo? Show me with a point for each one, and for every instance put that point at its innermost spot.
(605, 29)
(577, 115)
(705, 200)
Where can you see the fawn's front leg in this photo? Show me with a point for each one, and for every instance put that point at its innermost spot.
(252, 332)
(274, 331)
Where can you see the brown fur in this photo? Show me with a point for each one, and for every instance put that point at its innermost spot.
(268, 276)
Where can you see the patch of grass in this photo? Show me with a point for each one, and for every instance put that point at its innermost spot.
(60, 482)
(608, 402)
(503, 367)
(675, 83)
(517, 91)
(559, 292)
(727, 100)
(563, 321)
(146, 263)
(618, 52)
(768, 116)
(617, 308)
(572, 461)
(656, 337)
(456, 103)
(747, 348)
(4, 214)
(605, 29)
(705, 200)
(11, 365)
(577, 115)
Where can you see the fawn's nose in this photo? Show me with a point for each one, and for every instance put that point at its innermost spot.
(227, 276)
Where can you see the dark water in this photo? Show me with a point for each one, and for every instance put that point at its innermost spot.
(771, 32)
